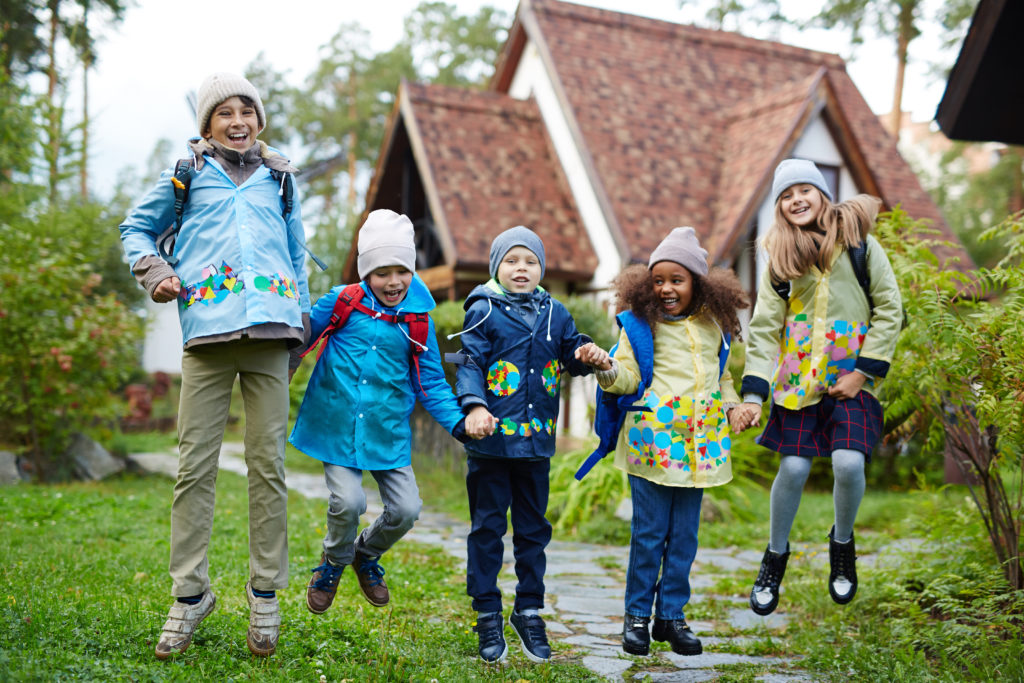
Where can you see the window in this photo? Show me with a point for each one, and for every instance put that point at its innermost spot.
(831, 174)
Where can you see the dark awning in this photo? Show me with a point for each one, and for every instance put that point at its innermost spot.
(984, 98)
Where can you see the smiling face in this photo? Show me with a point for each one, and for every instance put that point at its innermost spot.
(673, 286)
(519, 270)
(801, 205)
(234, 124)
(390, 284)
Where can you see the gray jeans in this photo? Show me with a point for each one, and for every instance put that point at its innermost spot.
(402, 504)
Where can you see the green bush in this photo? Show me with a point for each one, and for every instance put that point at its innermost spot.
(69, 341)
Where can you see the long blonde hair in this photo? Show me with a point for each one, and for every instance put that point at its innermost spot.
(792, 251)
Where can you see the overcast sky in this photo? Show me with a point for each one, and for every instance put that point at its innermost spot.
(164, 49)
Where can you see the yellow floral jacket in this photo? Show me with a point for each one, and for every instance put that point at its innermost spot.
(684, 440)
(798, 348)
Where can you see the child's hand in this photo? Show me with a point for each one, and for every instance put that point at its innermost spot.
(167, 290)
(848, 386)
(594, 356)
(744, 416)
(480, 423)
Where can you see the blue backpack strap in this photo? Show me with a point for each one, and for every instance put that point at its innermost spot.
(611, 409)
(723, 353)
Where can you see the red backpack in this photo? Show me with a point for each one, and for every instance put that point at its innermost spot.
(350, 299)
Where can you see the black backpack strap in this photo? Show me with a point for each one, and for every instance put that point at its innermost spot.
(181, 181)
(782, 289)
(859, 259)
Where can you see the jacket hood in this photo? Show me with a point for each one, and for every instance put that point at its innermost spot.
(492, 290)
(417, 300)
(272, 159)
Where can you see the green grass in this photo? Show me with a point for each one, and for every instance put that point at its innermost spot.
(84, 592)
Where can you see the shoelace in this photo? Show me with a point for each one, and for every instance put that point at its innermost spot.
(373, 571)
(769, 574)
(328, 576)
(844, 561)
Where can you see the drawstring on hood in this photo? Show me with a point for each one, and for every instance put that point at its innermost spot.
(480, 322)
(550, 310)
(372, 299)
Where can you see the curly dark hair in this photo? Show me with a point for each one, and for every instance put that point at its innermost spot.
(717, 297)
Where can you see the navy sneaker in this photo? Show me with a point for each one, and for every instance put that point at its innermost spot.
(531, 631)
(492, 646)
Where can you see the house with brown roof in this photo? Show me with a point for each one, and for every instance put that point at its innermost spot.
(602, 131)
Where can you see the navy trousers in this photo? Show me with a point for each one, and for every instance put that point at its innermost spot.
(496, 485)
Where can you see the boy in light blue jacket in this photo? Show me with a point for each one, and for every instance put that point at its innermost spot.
(239, 279)
(379, 357)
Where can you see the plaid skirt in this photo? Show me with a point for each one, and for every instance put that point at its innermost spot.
(830, 424)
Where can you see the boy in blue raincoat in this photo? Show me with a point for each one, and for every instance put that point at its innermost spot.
(355, 414)
(516, 342)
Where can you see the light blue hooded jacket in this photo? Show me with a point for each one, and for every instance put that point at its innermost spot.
(362, 391)
(239, 263)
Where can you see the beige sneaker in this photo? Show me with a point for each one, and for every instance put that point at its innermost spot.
(264, 624)
(181, 624)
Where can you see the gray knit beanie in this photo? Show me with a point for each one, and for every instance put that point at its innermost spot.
(795, 171)
(681, 246)
(386, 239)
(519, 236)
(219, 87)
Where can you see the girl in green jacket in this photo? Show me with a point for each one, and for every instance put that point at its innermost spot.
(820, 348)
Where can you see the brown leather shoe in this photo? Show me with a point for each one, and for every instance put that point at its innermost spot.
(371, 580)
(323, 585)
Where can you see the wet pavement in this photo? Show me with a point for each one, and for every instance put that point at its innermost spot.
(585, 584)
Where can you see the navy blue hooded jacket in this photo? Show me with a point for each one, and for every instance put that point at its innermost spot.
(514, 369)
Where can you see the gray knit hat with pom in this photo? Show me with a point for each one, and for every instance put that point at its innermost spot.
(681, 246)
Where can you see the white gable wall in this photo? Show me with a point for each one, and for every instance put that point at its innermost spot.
(532, 79)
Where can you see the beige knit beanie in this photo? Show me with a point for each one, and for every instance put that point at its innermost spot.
(386, 239)
(219, 87)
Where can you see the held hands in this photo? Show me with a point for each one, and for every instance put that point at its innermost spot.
(594, 356)
(480, 423)
(848, 386)
(744, 416)
(167, 290)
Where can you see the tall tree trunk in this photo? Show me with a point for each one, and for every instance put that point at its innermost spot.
(903, 37)
(83, 171)
(51, 93)
(352, 141)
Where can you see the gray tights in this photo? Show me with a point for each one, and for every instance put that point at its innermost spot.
(848, 470)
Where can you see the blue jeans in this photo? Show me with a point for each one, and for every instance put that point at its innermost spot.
(663, 538)
(495, 485)
(401, 498)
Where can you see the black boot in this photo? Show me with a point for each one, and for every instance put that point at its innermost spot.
(636, 640)
(678, 635)
(764, 597)
(842, 577)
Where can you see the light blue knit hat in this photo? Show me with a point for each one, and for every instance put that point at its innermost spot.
(795, 171)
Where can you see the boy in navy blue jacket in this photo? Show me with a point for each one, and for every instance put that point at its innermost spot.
(516, 341)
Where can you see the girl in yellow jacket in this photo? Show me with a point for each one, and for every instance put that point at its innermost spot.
(820, 349)
(681, 446)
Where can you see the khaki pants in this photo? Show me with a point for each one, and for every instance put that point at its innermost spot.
(207, 376)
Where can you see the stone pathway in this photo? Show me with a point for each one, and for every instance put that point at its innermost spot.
(585, 587)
